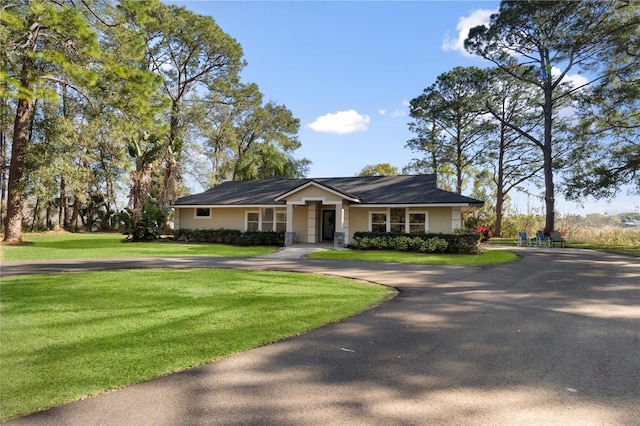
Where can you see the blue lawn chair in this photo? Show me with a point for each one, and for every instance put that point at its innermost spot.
(541, 239)
(523, 239)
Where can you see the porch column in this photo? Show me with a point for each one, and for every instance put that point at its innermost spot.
(338, 237)
(289, 235)
(339, 218)
(311, 223)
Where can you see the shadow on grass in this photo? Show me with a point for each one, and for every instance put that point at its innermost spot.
(553, 338)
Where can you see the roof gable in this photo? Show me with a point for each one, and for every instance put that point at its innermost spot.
(310, 183)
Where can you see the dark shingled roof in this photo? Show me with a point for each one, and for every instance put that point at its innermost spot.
(420, 189)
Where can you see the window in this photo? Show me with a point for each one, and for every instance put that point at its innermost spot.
(267, 220)
(281, 222)
(272, 220)
(253, 221)
(417, 222)
(378, 222)
(203, 213)
(398, 220)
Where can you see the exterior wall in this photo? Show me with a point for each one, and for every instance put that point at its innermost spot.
(300, 223)
(359, 220)
(228, 218)
(307, 218)
(314, 192)
(439, 218)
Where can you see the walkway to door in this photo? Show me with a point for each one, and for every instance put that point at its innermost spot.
(297, 251)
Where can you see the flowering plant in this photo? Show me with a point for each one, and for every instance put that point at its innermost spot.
(485, 232)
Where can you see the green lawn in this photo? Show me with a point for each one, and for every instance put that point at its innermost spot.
(485, 258)
(628, 250)
(616, 249)
(51, 246)
(66, 336)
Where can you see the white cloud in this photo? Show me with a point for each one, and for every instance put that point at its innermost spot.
(465, 23)
(341, 123)
(575, 80)
(382, 111)
(405, 103)
(397, 113)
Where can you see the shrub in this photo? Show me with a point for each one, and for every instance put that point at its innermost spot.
(230, 236)
(485, 233)
(145, 225)
(458, 243)
(434, 245)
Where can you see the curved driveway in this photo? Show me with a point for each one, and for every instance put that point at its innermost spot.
(551, 339)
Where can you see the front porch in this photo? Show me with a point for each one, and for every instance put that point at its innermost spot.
(317, 222)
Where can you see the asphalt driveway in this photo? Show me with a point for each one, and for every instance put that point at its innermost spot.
(551, 339)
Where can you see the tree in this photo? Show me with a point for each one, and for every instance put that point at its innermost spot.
(381, 169)
(450, 119)
(191, 53)
(431, 143)
(44, 41)
(244, 139)
(610, 119)
(145, 151)
(511, 158)
(539, 43)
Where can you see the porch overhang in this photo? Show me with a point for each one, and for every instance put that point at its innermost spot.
(334, 191)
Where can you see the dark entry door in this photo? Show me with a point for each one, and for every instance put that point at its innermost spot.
(328, 224)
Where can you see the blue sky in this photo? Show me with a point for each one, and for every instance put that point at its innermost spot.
(347, 70)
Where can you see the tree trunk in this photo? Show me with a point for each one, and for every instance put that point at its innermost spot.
(36, 216)
(62, 212)
(497, 231)
(549, 190)
(75, 213)
(48, 219)
(13, 221)
(4, 134)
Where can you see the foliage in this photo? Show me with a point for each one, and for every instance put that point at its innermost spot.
(125, 327)
(610, 119)
(44, 44)
(381, 169)
(147, 225)
(231, 236)
(487, 257)
(80, 81)
(510, 159)
(458, 243)
(538, 44)
(243, 139)
(485, 233)
(449, 122)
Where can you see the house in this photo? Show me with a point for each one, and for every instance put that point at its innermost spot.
(326, 209)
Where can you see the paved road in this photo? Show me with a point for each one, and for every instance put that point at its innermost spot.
(551, 339)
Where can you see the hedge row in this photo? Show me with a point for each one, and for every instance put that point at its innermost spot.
(230, 236)
(457, 243)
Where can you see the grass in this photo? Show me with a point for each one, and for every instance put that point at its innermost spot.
(485, 258)
(52, 246)
(624, 249)
(616, 249)
(67, 336)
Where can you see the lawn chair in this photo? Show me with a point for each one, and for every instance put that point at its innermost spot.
(541, 239)
(556, 238)
(523, 239)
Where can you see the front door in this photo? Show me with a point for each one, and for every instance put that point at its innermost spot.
(328, 224)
